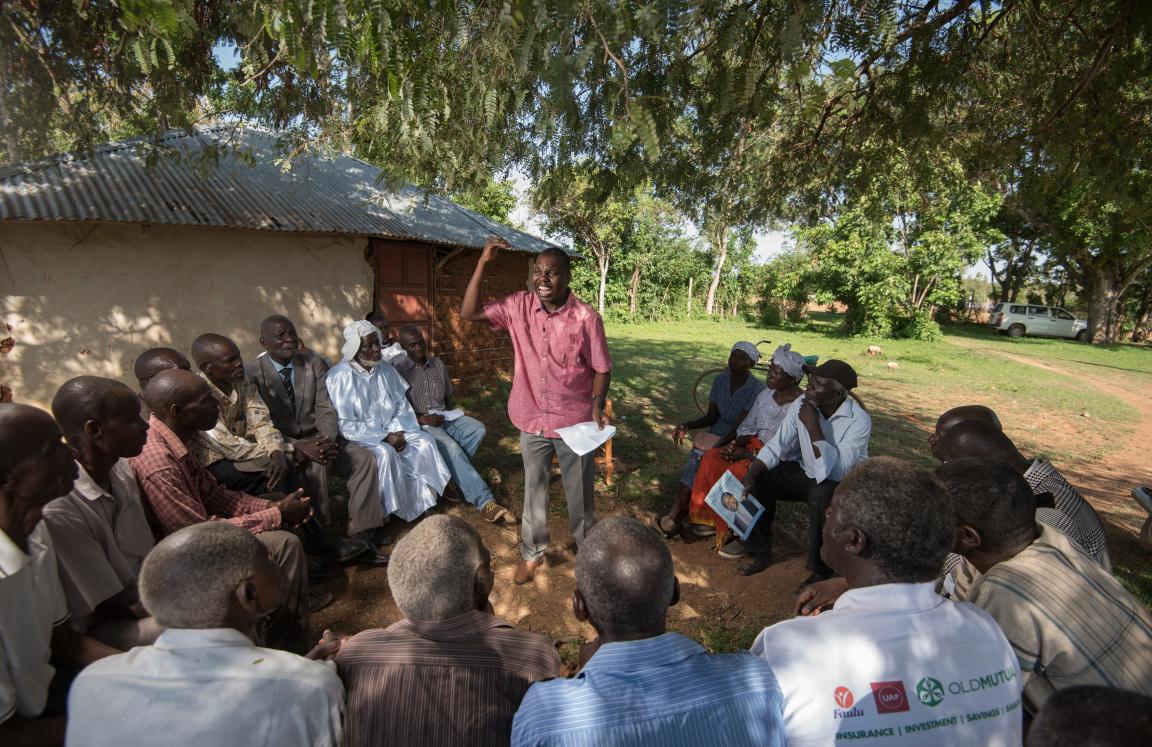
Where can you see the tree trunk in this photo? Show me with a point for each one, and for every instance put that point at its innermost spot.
(721, 245)
(633, 289)
(6, 123)
(1104, 293)
(1143, 322)
(602, 261)
(690, 279)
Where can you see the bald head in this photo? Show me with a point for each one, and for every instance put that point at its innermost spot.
(956, 415)
(24, 431)
(977, 438)
(154, 360)
(218, 358)
(90, 398)
(207, 346)
(624, 575)
(183, 402)
(35, 465)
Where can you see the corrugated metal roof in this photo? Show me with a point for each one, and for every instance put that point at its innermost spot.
(314, 194)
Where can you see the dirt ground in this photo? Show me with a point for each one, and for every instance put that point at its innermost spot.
(719, 606)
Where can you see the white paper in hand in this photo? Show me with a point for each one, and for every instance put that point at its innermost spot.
(585, 437)
(448, 415)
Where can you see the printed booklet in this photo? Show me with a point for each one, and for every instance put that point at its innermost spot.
(740, 514)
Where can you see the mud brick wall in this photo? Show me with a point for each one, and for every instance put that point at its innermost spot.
(474, 353)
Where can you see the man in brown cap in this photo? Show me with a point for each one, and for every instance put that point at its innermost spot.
(824, 435)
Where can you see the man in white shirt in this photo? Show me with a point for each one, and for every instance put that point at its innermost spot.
(373, 411)
(824, 435)
(99, 530)
(35, 467)
(894, 663)
(204, 682)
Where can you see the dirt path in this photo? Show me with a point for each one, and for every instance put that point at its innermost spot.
(1108, 484)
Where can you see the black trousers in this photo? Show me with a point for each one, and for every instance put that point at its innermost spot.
(787, 482)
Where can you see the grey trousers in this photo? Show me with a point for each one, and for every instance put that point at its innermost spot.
(578, 475)
(358, 466)
(287, 627)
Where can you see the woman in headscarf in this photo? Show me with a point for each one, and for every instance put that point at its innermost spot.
(373, 411)
(738, 448)
(732, 394)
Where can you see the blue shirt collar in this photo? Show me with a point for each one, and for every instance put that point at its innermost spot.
(279, 367)
(635, 656)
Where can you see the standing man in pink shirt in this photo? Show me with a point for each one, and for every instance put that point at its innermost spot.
(561, 378)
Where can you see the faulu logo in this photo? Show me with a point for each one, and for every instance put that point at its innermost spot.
(890, 697)
(844, 697)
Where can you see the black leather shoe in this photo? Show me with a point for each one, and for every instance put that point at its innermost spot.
(755, 564)
(318, 572)
(376, 537)
(346, 549)
(373, 558)
(318, 600)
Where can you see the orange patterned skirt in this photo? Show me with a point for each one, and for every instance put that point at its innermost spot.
(712, 466)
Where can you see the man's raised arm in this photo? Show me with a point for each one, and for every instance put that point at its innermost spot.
(472, 310)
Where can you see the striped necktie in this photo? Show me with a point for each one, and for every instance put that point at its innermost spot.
(286, 377)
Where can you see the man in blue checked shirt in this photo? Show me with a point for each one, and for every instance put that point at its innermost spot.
(644, 685)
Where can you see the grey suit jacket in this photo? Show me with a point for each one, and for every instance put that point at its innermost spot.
(312, 412)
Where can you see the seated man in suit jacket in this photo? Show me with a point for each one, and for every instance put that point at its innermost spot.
(291, 383)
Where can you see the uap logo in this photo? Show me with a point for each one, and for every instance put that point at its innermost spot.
(889, 696)
(844, 697)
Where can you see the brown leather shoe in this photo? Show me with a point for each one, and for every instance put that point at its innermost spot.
(525, 571)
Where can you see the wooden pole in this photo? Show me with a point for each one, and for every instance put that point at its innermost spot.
(690, 278)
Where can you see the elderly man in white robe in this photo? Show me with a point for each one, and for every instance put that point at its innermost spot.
(373, 411)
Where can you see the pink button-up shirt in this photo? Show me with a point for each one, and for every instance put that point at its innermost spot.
(557, 355)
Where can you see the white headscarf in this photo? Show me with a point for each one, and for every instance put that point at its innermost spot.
(789, 360)
(748, 349)
(353, 334)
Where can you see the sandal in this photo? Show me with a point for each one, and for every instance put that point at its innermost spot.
(668, 526)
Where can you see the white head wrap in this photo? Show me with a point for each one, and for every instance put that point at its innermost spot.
(748, 349)
(353, 334)
(789, 360)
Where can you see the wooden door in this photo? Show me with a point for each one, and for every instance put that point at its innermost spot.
(404, 284)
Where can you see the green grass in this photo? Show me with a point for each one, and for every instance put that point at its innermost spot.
(656, 365)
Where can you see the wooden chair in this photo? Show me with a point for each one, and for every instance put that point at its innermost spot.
(604, 453)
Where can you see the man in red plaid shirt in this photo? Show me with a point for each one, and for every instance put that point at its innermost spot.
(179, 491)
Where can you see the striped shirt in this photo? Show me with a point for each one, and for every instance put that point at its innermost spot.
(450, 682)
(1073, 516)
(429, 387)
(664, 691)
(1070, 622)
